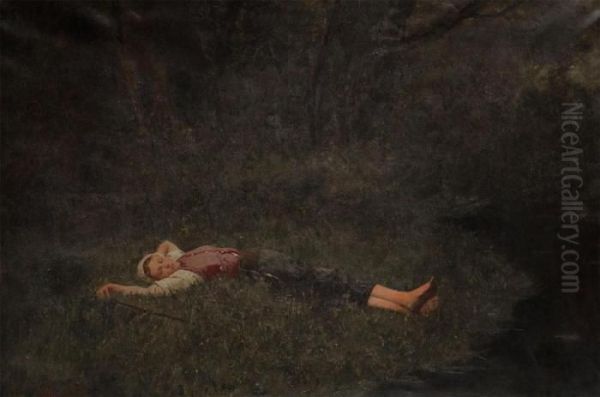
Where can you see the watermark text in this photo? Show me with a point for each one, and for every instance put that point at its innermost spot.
(571, 205)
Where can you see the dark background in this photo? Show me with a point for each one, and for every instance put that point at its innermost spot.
(194, 120)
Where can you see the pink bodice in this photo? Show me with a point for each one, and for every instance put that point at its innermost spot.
(211, 262)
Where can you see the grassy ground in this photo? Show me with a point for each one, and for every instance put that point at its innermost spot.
(336, 208)
(236, 337)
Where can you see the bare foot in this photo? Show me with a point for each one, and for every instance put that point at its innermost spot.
(430, 306)
(425, 292)
(422, 288)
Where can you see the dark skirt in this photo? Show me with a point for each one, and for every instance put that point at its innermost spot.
(290, 275)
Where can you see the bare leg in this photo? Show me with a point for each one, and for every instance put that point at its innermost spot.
(387, 305)
(412, 300)
(430, 306)
(400, 297)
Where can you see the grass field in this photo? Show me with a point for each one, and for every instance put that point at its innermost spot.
(236, 337)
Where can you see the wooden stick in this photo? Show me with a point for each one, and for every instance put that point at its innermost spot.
(151, 312)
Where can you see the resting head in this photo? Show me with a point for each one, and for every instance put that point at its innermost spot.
(156, 266)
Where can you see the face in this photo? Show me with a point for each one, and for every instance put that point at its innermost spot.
(161, 266)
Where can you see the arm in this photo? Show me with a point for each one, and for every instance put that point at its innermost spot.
(179, 281)
(165, 247)
(111, 289)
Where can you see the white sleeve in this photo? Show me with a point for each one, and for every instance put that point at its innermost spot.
(153, 290)
(175, 254)
(178, 281)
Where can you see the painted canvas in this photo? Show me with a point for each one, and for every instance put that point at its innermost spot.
(300, 198)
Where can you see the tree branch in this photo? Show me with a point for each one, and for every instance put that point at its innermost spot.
(506, 9)
(445, 25)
